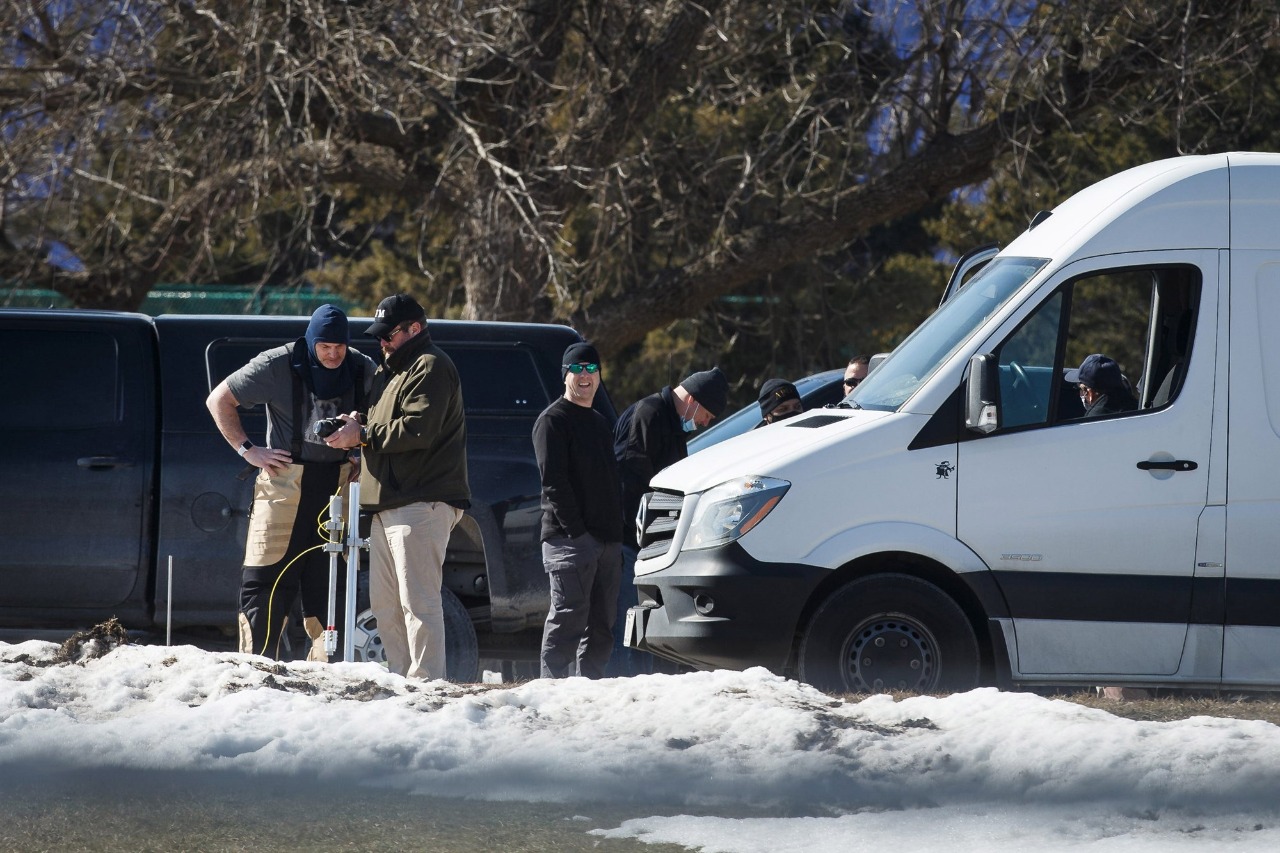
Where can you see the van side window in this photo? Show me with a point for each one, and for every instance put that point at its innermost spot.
(65, 380)
(1143, 318)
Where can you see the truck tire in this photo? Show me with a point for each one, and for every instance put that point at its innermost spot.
(462, 652)
(889, 633)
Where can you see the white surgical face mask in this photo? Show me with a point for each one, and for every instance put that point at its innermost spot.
(687, 424)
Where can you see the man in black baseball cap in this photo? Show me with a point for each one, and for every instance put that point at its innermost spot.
(1103, 389)
(395, 312)
(415, 425)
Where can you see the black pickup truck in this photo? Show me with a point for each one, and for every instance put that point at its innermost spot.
(113, 466)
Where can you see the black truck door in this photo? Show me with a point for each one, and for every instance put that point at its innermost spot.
(80, 415)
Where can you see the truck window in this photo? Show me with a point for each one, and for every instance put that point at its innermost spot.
(1143, 318)
(499, 379)
(495, 379)
(74, 383)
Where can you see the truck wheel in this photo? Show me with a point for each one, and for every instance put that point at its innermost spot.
(462, 652)
(889, 632)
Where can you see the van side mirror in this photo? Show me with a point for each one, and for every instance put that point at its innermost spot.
(980, 411)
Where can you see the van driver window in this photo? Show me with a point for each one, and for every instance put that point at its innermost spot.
(1109, 344)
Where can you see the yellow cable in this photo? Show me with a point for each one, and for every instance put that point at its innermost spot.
(271, 597)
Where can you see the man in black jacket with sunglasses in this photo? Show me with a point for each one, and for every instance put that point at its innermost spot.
(581, 522)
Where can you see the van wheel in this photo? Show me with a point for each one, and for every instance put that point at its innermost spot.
(461, 651)
(889, 632)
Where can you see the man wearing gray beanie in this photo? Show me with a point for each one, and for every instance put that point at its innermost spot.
(649, 436)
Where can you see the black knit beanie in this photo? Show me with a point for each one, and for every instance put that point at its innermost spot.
(710, 388)
(579, 353)
(774, 393)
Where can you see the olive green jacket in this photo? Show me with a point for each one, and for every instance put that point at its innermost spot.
(416, 432)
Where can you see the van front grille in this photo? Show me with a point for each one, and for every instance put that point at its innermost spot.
(656, 522)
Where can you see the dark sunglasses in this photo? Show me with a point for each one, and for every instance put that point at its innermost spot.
(578, 368)
(391, 334)
(852, 383)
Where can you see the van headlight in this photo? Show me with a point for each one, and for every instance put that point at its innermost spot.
(727, 511)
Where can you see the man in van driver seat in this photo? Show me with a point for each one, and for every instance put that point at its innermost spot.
(1103, 389)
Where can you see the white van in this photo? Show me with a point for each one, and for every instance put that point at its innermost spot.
(958, 519)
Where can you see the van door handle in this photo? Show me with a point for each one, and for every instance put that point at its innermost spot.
(1171, 465)
(103, 463)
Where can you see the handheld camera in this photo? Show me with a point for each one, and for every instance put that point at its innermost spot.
(326, 427)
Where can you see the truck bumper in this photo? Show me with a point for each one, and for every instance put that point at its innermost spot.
(721, 609)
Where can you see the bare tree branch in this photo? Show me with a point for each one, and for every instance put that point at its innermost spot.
(616, 163)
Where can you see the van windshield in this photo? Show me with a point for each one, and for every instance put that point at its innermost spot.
(937, 338)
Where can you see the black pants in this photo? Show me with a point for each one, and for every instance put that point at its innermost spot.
(268, 593)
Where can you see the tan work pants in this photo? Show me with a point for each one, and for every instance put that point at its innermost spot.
(406, 561)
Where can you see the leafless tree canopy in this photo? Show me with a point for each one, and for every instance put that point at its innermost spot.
(613, 163)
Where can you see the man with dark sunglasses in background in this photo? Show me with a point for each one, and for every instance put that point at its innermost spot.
(854, 372)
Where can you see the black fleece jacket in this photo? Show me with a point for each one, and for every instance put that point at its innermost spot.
(580, 492)
(648, 437)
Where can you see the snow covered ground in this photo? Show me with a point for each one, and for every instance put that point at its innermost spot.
(978, 771)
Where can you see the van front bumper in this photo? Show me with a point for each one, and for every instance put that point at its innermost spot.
(721, 609)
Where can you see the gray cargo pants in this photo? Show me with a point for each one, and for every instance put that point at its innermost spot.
(577, 638)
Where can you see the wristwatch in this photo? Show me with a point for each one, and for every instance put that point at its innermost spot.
(364, 437)
(245, 447)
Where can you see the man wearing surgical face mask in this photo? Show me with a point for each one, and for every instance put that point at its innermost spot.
(651, 433)
(649, 436)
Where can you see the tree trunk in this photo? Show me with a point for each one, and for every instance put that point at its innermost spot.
(503, 268)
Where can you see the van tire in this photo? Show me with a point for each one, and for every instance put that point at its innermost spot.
(889, 633)
(462, 651)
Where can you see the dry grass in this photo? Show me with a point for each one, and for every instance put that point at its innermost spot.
(1171, 705)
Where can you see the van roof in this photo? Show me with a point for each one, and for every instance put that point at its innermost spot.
(1182, 202)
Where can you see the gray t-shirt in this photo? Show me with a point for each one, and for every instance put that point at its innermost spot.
(268, 379)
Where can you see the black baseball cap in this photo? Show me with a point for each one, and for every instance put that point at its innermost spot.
(394, 311)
